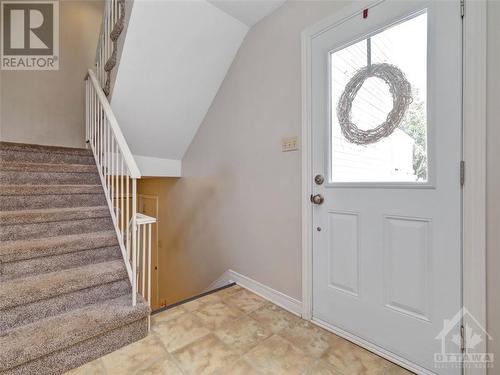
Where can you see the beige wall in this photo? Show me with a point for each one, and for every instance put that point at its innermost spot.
(245, 191)
(48, 107)
(493, 182)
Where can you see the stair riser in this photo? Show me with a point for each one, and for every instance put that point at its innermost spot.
(31, 202)
(47, 178)
(42, 157)
(60, 228)
(25, 314)
(61, 361)
(40, 265)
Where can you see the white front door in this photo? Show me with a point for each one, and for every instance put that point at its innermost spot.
(387, 238)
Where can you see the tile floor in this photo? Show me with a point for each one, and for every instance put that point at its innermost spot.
(234, 331)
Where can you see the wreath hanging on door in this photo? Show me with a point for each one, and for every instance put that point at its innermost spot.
(400, 90)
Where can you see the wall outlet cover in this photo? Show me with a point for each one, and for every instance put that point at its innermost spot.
(289, 144)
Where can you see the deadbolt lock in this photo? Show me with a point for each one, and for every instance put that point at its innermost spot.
(319, 179)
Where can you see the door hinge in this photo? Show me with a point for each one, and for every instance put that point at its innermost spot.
(462, 8)
(462, 338)
(462, 173)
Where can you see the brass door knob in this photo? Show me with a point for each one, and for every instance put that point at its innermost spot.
(317, 199)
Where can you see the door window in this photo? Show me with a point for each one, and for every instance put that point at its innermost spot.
(401, 156)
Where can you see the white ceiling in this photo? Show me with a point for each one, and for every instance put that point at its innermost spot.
(175, 57)
(248, 11)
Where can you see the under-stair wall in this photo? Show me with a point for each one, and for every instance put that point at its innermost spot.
(184, 269)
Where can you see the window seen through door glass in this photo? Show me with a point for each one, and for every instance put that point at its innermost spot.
(402, 156)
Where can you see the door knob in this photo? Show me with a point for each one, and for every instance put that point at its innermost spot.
(317, 199)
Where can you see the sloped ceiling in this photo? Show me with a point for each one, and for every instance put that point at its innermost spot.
(175, 57)
(248, 11)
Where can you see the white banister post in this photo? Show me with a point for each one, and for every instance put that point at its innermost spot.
(143, 263)
(86, 112)
(149, 264)
(134, 241)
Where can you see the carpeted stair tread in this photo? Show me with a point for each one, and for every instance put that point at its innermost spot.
(22, 345)
(35, 288)
(32, 197)
(46, 264)
(13, 177)
(46, 167)
(57, 363)
(30, 156)
(49, 215)
(11, 251)
(16, 152)
(11, 146)
(42, 230)
(25, 314)
(28, 190)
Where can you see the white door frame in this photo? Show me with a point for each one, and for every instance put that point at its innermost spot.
(474, 154)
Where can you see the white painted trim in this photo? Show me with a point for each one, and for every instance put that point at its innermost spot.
(474, 144)
(373, 348)
(306, 179)
(280, 299)
(474, 153)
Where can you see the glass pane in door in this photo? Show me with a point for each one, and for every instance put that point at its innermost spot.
(401, 156)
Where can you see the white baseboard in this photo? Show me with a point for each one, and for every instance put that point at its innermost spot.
(282, 300)
(223, 280)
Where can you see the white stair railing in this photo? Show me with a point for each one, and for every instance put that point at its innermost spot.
(143, 262)
(119, 174)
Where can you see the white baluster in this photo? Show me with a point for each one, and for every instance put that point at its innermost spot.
(134, 239)
(149, 264)
(128, 215)
(143, 250)
(121, 191)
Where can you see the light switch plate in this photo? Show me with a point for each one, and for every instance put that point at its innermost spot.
(289, 144)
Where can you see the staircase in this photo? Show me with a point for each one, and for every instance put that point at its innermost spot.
(65, 292)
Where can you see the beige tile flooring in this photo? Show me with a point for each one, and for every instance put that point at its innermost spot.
(234, 331)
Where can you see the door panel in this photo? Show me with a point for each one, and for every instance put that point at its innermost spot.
(343, 251)
(387, 257)
(406, 265)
